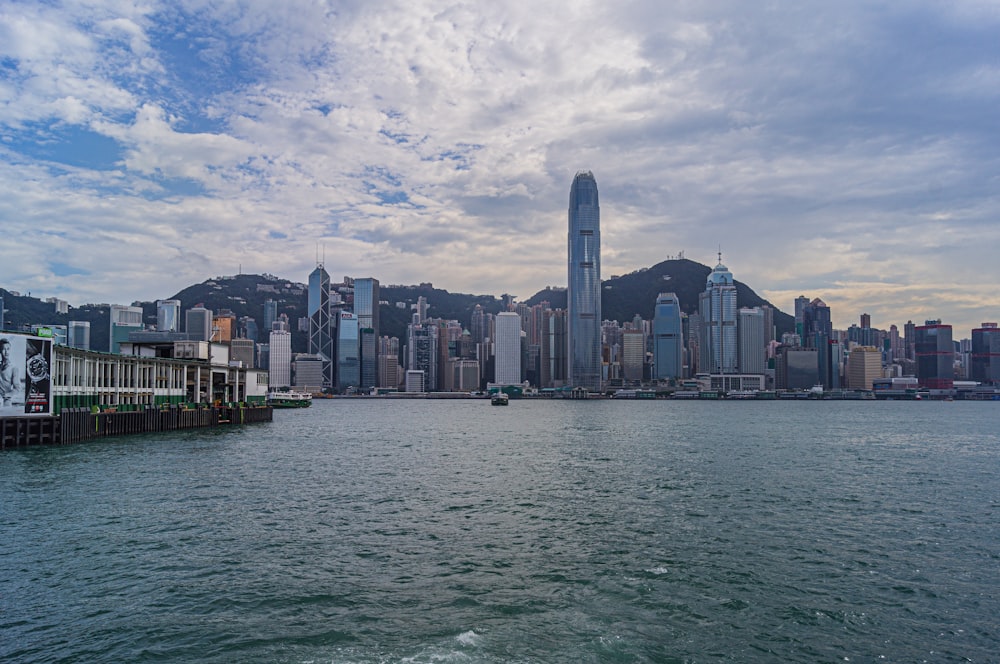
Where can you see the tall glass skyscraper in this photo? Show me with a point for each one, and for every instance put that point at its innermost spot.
(717, 306)
(668, 340)
(321, 341)
(583, 295)
(366, 298)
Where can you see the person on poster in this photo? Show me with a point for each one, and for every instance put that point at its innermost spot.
(11, 382)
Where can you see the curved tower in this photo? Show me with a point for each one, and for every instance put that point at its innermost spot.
(583, 296)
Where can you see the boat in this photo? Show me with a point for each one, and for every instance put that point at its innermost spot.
(278, 399)
(499, 399)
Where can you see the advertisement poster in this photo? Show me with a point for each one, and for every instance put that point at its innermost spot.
(25, 385)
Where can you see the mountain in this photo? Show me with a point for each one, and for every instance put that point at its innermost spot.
(622, 297)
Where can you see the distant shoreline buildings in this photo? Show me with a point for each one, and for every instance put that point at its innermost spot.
(720, 346)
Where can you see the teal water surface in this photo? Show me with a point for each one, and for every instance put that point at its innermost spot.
(452, 531)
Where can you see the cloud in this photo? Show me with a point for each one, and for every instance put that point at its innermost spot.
(842, 151)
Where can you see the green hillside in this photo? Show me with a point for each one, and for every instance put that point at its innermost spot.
(622, 298)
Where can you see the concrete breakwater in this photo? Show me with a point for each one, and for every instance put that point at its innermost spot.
(73, 425)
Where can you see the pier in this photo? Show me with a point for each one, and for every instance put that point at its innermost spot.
(74, 425)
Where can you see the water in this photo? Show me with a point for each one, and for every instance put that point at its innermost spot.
(440, 531)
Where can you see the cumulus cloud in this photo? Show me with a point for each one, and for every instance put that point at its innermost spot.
(842, 151)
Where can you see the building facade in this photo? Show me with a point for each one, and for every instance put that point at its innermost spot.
(717, 306)
(935, 355)
(508, 349)
(321, 325)
(984, 358)
(668, 339)
(124, 319)
(583, 295)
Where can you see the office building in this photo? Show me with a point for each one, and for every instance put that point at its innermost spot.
(279, 359)
(751, 330)
(552, 354)
(242, 350)
(633, 355)
(984, 356)
(583, 297)
(198, 323)
(717, 306)
(124, 319)
(78, 334)
(321, 325)
(421, 349)
(935, 355)
(348, 352)
(270, 314)
(508, 349)
(366, 308)
(864, 367)
(796, 368)
(168, 315)
(668, 339)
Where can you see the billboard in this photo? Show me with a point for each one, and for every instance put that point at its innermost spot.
(25, 384)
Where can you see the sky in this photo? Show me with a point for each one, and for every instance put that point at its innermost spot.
(848, 151)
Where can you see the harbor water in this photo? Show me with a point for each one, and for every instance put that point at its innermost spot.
(364, 530)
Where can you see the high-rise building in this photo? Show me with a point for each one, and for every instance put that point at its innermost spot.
(795, 368)
(864, 366)
(321, 326)
(78, 334)
(717, 306)
(984, 357)
(168, 315)
(348, 352)
(668, 339)
(280, 359)
(753, 341)
(198, 323)
(478, 327)
(552, 354)
(270, 314)
(242, 350)
(388, 362)
(508, 349)
(633, 356)
(421, 348)
(366, 308)
(583, 295)
(935, 354)
(124, 319)
(224, 327)
(910, 339)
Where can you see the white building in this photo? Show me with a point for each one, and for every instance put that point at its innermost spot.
(280, 359)
(508, 348)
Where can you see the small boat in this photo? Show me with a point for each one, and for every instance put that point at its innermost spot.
(278, 399)
(499, 399)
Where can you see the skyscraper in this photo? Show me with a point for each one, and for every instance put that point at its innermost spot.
(753, 341)
(366, 298)
(508, 348)
(668, 343)
(320, 326)
(168, 315)
(78, 334)
(583, 295)
(935, 355)
(718, 310)
(348, 352)
(198, 323)
(985, 354)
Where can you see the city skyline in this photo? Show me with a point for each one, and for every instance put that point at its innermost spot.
(841, 152)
